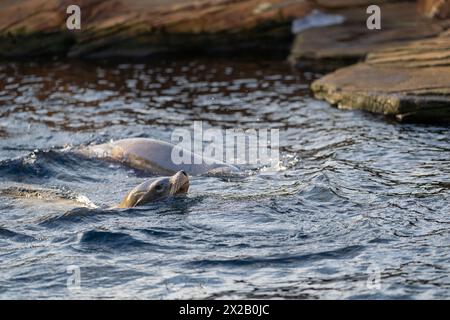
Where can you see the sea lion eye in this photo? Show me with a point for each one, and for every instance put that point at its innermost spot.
(159, 188)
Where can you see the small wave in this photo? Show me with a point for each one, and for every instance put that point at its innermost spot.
(341, 253)
(177, 205)
(46, 164)
(77, 215)
(15, 236)
(109, 240)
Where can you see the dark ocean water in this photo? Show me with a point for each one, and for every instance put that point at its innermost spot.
(359, 208)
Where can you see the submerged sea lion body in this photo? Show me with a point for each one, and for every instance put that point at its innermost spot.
(55, 196)
(156, 157)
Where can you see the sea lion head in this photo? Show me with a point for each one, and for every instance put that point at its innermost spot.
(156, 189)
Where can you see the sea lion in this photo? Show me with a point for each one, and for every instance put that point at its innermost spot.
(149, 191)
(156, 189)
(156, 157)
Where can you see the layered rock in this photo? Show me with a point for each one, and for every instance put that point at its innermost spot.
(352, 40)
(410, 82)
(139, 28)
(403, 69)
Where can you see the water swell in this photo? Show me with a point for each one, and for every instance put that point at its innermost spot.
(45, 165)
(15, 236)
(107, 238)
(104, 240)
(340, 253)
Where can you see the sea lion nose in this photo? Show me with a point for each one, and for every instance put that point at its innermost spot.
(183, 172)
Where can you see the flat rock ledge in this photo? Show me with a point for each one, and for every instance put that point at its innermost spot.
(410, 82)
(351, 40)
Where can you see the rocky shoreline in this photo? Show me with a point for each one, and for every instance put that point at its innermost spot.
(410, 82)
(138, 28)
(402, 70)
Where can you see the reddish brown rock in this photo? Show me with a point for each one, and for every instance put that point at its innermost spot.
(345, 4)
(434, 8)
(139, 27)
(29, 16)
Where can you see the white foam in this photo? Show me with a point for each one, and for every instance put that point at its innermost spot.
(86, 201)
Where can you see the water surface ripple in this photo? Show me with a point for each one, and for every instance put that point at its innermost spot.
(360, 196)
